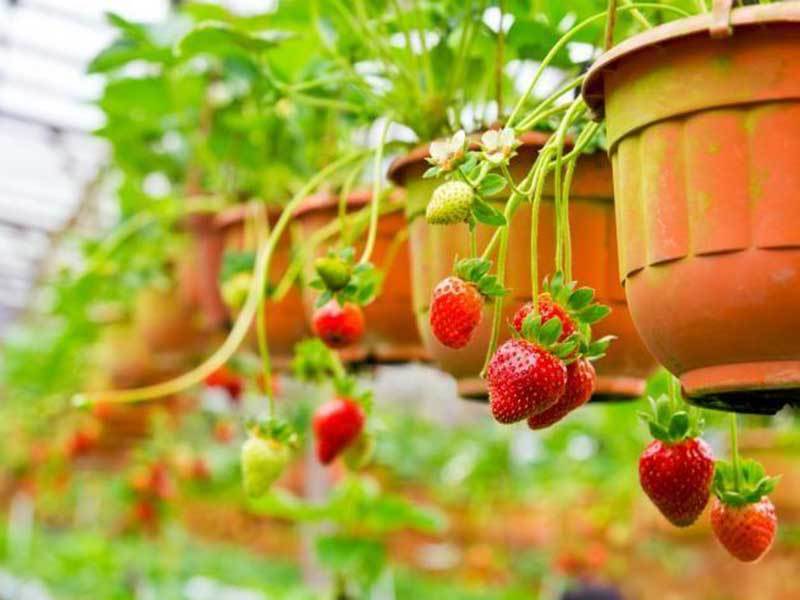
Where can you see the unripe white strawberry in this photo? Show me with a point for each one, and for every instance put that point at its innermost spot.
(450, 204)
(263, 461)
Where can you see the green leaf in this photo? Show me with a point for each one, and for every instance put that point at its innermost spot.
(490, 287)
(580, 298)
(359, 558)
(566, 348)
(679, 426)
(492, 185)
(531, 325)
(324, 298)
(594, 313)
(234, 263)
(551, 331)
(485, 213)
(470, 167)
(472, 269)
(431, 172)
(222, 39)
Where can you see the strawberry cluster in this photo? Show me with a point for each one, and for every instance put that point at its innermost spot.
(545, 371)
(678, 473)
(345, 287)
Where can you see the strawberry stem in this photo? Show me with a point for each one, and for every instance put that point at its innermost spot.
(473, 241)
(735, 451)
(262, 233)
(344, 194)
(611, 20)
(539, 176)
(499, 62)
(375, 201)
(497, 315)
(674, 389)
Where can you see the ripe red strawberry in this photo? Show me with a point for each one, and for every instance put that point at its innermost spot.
(457, 303)
(227, 379)
(337, 424)
(742, 517)
(676, 469)
(339, 326)
(548, 309)
(523, 379)
(581, 381)
(747, 532)
(456, 311)
(677, 478)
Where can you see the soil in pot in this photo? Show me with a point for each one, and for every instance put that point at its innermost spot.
(285, 318)
(704, 136)
(391, 333)
(622, 374)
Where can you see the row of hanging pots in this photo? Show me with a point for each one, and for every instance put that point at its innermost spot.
(397, 321)
(391, 335)
(703, 121)
(622, 374)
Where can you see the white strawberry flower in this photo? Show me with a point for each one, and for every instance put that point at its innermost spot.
(446, 154)
(498, 145)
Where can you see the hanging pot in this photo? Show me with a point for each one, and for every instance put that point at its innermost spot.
(434, 249)
(164, 321)
(391, 333)
(285, 319)
(200, 270)
(704, 136)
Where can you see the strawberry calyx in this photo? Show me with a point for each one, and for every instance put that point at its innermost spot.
(275, 429)
(338, 277)
(579, 304)
(547, 335)
(347, 386)
(741, 486)
(476, 272)
(671, 421)
(313, 361)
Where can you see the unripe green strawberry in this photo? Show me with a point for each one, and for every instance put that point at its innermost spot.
(263, 461)
(235, 290)
(333, 271)
(450, 204)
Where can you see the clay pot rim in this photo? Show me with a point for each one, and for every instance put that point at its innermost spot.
(233, 215)
(684, 29)
(326, 200)
(535, 139)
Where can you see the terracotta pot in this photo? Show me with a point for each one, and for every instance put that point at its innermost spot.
(199, 271)
(704, 136)
(623, 372)
(391, 333)
(285, 319)
(122, 356)
(164, 321)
